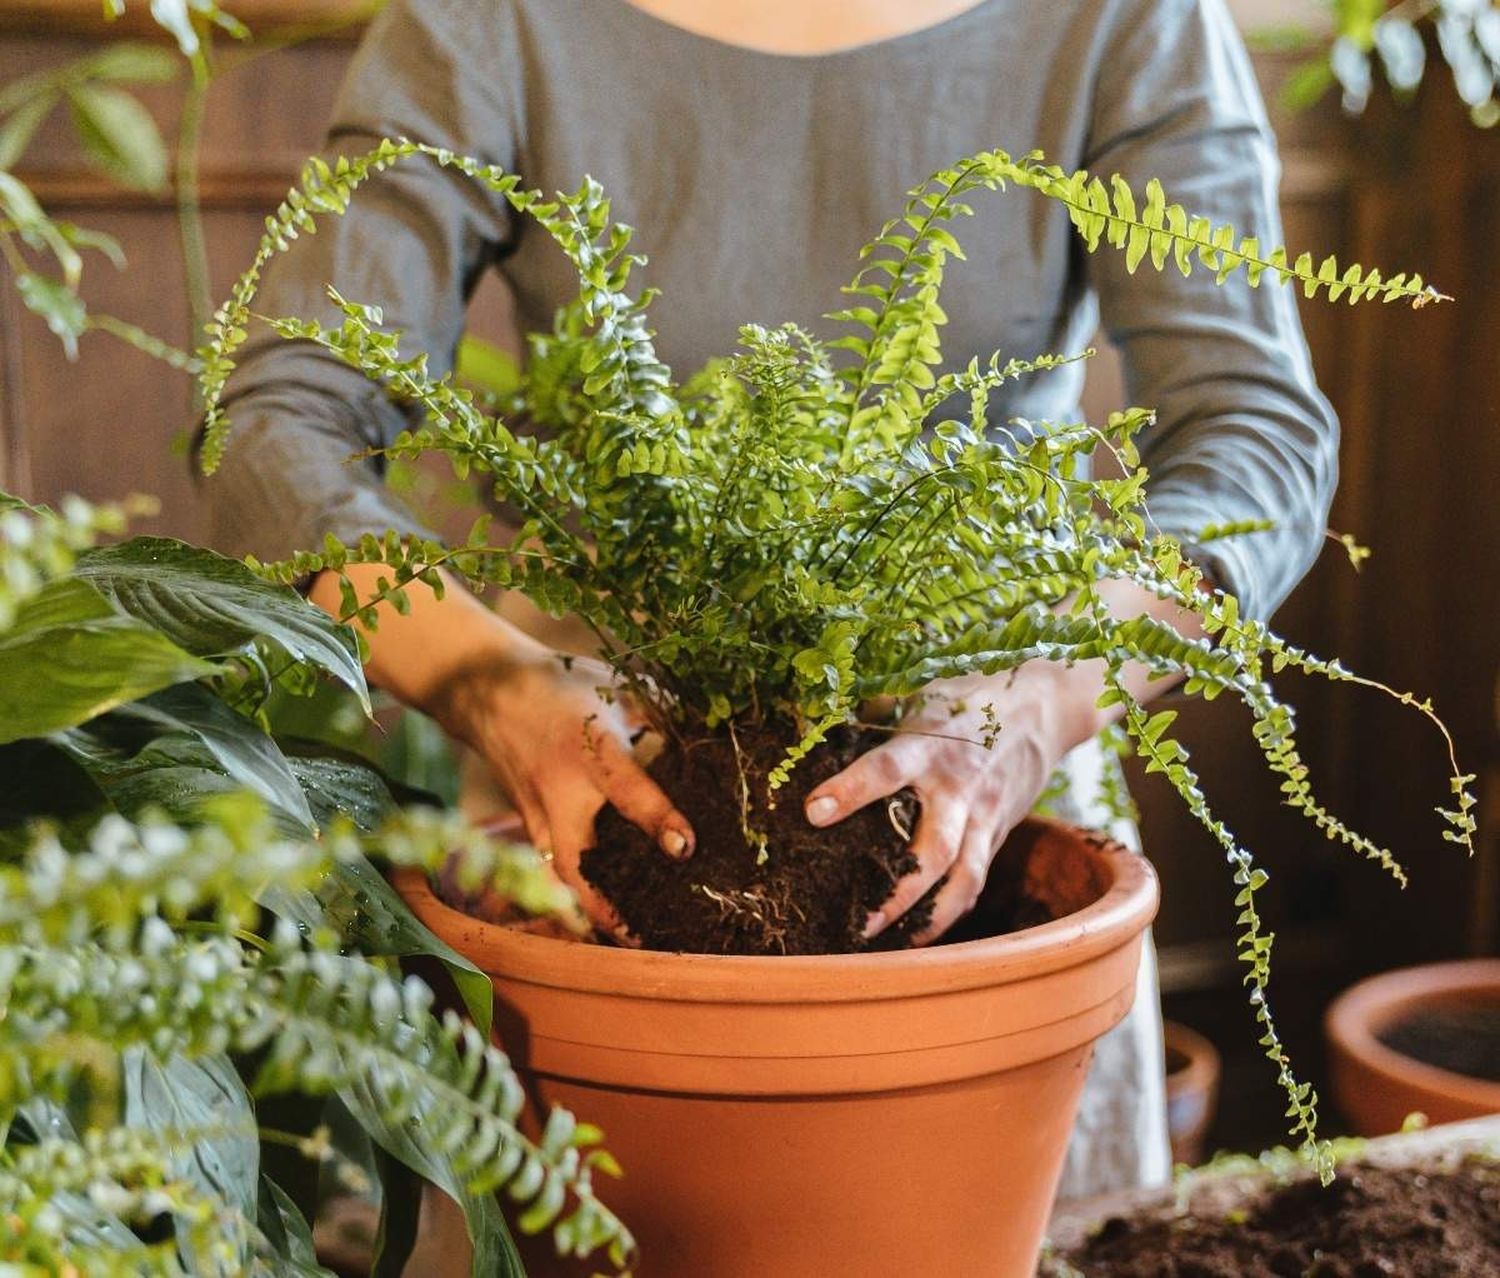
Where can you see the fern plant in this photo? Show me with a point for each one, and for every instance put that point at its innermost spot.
(785, 534)
(184, 898)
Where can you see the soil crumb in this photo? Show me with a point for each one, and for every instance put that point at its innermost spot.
(786, 887)
(1370, 1223)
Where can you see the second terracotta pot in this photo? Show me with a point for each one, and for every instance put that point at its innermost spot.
(1193, 1073)
(878, 1114)
(1376, 1086)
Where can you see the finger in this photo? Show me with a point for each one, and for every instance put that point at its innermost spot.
(965, 882)
(571, 815)
(936, 846)
(636, 796)
(873, 775)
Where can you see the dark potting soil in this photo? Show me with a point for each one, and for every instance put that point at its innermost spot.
(811, 890)
(1465, 1040)
(1371, 1222)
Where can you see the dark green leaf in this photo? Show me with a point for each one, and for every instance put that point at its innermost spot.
(213, 605)
(287, 1234)
(151, 752)
(494, 1252)
(204, 1093)
(40, 782)
(69, 656)
(369, 915)
(339, 783)
(41, 1118)
(354, 899)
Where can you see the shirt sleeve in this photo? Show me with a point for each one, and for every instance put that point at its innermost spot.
(1242, 431)
(413, 241)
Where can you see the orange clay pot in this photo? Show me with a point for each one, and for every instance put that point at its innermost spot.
(1376, 1086)
(1193, 1073)
(892, 1114)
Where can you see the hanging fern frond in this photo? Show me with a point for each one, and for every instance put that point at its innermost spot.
(620, 361)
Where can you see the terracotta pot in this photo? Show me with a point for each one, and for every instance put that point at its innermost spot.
(1376, 1086)
(877, 1114)
(1193, 1072)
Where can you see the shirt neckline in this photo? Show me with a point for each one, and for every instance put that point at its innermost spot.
(916, 36)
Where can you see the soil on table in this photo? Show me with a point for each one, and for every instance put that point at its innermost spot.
(1370, 1223)
(1465, 1040)
(807, 891)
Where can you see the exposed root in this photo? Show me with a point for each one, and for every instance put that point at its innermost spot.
(753, 908)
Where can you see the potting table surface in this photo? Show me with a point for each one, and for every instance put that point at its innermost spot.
(1072, 1222)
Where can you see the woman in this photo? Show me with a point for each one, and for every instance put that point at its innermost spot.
(757, 144)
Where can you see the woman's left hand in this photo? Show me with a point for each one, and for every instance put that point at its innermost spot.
(977, 751)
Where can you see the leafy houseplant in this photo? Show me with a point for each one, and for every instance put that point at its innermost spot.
(765, 546)
(190, 909)
(185, 899)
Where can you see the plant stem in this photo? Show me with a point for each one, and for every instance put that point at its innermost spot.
(190, 207)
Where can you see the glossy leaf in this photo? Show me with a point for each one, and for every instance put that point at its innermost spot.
(287, 1234)
(203, 1094)
(495, 1253)
(213, 606)
(69, 656)
(175, 748)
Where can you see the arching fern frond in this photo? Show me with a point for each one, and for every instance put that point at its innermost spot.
(898, 343)
(322, 1022)
(620, 363)
(1158, 230)
(52, 1192)
(153, 872)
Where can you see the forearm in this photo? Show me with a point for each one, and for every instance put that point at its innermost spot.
(416, 656)
(1073, 692)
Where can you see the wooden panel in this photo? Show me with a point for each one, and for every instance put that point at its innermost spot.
(112, 422)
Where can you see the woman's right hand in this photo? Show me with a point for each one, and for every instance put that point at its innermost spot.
(556, 733)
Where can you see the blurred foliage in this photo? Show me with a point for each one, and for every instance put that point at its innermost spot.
(1390, 38)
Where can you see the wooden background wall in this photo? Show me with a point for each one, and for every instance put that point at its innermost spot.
(1419, 395)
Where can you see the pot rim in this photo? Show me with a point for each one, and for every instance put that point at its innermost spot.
(1203, 1060)
(1356, 1017)
(1114, 920)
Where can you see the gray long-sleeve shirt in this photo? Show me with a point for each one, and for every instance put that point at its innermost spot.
(753, 179)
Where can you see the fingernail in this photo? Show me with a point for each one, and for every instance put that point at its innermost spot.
(822, 810)
(874, 924)
(674, 843)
